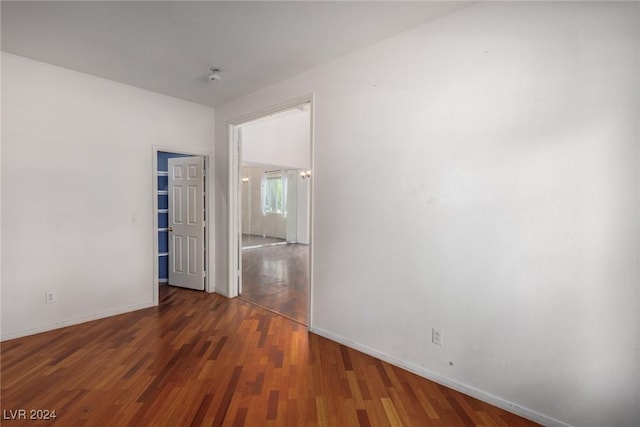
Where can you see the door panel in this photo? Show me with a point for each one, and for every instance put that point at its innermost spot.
(177, 204)
(192, 205)
(186, 222)
(177, 255)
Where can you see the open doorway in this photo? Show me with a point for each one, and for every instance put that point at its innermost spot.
(180, 213)
(274, 216)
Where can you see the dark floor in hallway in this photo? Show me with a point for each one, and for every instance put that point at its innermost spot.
(277, 278)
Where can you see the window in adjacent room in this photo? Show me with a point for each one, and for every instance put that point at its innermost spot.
(274, 193)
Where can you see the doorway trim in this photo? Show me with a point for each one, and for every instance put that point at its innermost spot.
(233, 164)
(208, 207)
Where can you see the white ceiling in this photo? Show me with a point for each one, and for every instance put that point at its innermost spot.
(168, 47)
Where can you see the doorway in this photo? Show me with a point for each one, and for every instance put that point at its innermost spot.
(271, 242)
(180, 213)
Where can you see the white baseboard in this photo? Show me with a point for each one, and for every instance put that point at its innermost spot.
(76, 321)
(447, 382)
(221, 291)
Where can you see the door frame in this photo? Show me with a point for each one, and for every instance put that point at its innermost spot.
(233, 166)
(208, 208)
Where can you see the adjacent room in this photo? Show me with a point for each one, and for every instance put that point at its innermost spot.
(275, 197)
(454, 241)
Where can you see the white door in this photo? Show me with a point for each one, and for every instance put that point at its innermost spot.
(186, 222)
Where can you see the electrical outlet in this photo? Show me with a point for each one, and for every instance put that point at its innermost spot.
(49, 297)
(436, 336)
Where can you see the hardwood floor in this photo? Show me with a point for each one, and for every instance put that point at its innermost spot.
(277, 278)
(253, 240)
(201, 359)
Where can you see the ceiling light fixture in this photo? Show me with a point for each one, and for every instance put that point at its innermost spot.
(213, 75)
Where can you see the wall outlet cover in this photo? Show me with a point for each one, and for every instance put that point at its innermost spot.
(436, 336)
(49, 297)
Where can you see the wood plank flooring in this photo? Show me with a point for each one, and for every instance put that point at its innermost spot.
(201, 359)
(249, 240)
(277, 278)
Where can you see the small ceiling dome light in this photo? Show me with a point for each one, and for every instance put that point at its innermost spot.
(213, 75)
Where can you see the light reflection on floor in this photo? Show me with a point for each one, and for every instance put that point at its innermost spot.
(277, 278)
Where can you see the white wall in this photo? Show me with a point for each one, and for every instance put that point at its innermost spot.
(479, 174)
(77, 202)
(292, 205)
(282, 140)
(294, 227)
